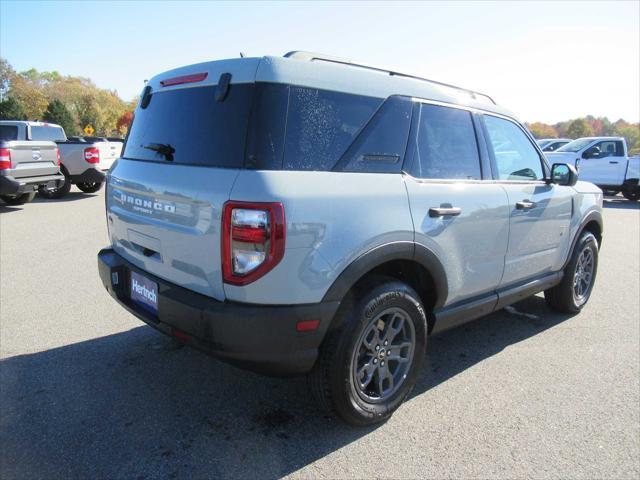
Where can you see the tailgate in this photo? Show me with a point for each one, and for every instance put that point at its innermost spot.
(166, 219)
(33, 159)
(109, 152)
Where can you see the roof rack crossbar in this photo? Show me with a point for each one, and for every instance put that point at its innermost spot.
(310, 56)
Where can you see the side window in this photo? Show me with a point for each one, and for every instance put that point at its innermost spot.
(380, 146)
(321, 124)
(446, 146)
(609, 149)
(515, 156)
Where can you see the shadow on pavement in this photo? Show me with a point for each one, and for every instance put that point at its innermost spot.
(135, 405)
(620, 202)
(69, 197)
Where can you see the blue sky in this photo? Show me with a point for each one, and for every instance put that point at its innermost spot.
(546, 61)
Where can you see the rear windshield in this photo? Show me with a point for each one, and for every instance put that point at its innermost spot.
(199, 129)
(263, 126)
(8, 132)
(52, 134)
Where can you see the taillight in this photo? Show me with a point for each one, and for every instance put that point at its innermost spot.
(58, 155)
(5, 159)
(253, 237)
(92, 155)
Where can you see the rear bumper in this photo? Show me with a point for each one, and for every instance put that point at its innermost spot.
(90, 175)
(262, 338)
(17, 186)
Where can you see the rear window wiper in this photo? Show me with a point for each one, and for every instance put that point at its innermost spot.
(163, 149)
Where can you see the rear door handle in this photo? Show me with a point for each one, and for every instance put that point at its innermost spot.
(525, 205)
(444, 211)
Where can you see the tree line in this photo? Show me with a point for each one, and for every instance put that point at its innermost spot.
(72, 102)
(590, 126)
(75, 102)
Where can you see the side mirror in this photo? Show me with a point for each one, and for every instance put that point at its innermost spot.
(564, 174)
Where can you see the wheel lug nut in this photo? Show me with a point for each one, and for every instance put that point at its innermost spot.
(386, 342)
(377, 347)
(375, 360)
(382, 364)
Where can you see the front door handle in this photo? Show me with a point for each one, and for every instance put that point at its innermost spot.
(613, 162)
(444, 211)
(525, 205)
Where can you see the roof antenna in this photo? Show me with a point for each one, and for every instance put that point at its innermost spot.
(241, 54)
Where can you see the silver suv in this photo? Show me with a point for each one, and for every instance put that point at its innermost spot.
(308, 215)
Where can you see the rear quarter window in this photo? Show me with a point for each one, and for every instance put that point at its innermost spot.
(8, 132)
(321, 125)
(201, 130)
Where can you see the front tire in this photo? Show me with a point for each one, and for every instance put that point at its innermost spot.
(18, 199)
(573, 292)
(91, 187)
(369, 364)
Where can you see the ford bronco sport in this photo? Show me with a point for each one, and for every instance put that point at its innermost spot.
(308, 215)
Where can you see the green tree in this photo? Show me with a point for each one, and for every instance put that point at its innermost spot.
(579, 128)
(56, 112)
(631, 133)
(10, 109)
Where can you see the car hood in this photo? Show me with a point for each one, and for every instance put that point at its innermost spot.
(586, 187)
(562, 157)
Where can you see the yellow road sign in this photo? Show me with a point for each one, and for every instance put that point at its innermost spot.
(88, 130)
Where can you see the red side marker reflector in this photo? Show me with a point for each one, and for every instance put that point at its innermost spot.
(307, 325)
(194, 77)
(179, 335)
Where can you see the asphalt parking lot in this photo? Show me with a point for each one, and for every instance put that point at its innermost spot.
(88, 391)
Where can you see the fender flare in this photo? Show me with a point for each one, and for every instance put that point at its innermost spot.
(593, 215)
(385, 253)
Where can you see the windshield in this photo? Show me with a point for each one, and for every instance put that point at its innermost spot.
(576, 145)
(52, 134)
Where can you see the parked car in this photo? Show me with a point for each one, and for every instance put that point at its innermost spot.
(605, 162)
(27, 161)
(308, 215)
(84, 160)
(552, 144)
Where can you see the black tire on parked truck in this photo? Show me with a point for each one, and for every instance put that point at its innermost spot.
(573, 292)
(18, 199)
(61, 191)
(632, 194)
(370, 363)
(90, 187)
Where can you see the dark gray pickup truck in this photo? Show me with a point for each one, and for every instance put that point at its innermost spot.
(26, 165)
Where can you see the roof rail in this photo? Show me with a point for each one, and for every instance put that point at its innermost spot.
(311, 56)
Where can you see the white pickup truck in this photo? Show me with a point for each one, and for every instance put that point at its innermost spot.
(603, 161)
(83, 160)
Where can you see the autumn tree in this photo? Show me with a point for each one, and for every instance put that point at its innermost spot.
(124, 122)
(542, 130)
(579, 128)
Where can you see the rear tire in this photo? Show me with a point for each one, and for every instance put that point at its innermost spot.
(18, 199)
(632, 195)
(358, 376)
(573, 292)
(61, 191)
(92, 187)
